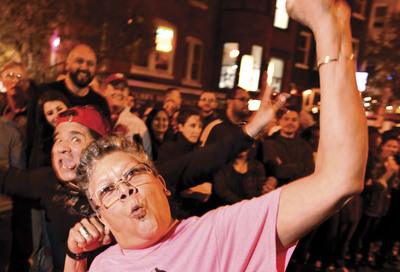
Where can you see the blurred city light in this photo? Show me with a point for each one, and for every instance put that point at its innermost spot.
(234, 53)
(254, 104)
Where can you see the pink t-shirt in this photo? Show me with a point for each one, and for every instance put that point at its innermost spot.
(241, 237)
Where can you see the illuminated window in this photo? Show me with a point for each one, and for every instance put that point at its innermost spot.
(256, 52)
(164, 38)
(159, 63)
(275, 68)
(193, 61)
(250, 69)
(281, 19)
(303, 50)
(229, 65)
(358, 8)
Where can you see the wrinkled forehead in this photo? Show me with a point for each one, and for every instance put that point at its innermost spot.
(66, 129)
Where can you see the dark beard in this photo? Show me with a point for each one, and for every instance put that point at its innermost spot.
(80, 84)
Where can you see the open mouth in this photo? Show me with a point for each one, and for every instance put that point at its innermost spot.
(67, 164)
(138, 212)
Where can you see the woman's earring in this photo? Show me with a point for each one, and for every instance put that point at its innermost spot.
(167, 192)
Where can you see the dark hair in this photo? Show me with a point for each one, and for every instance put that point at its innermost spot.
(49, 96)
(387, 139)
(185, 113)
(152, 115)
(42, 138)
(283, 111)
(231, 93)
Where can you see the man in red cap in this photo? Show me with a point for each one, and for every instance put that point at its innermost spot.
(124, 122)
(54, 186)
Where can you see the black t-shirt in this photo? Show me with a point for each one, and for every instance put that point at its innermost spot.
(92, 98)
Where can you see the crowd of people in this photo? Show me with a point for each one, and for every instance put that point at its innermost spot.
(91, 180)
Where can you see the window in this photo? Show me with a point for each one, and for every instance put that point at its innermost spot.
(229, 65)
(281, 19)
(159, 63)
(303, 50)
(275, 73)
(358, 9)
(253, 70)
(193, 61)
(379, 17)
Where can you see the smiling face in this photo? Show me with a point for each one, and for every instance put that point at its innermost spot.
(160, 123)
(389, 148)
(191, 130)
(141, 217)
(70, 138)
(81, 65)
(116, 94)
(51, 109)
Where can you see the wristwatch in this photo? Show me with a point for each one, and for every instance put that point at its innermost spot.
(77, 257)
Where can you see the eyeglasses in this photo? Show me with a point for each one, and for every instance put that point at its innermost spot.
(13, 77)
(207, 99)
(111, 193)
(242, 99)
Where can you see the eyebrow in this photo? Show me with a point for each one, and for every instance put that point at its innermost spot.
(73, 132)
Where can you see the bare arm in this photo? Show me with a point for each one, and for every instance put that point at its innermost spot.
(79, 242)
(342, 149)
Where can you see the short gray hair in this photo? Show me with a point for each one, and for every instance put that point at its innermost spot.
(105, 146)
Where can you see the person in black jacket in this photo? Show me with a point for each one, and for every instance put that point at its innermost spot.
(187, 139)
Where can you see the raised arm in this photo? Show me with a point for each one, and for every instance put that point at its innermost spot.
(342, 152)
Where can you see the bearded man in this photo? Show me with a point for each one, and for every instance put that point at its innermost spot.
(81, 68)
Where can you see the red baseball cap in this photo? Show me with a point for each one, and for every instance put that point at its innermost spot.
(87, 116)
(116, 78)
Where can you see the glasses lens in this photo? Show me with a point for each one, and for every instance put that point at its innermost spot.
(13, 76)
(108, 195)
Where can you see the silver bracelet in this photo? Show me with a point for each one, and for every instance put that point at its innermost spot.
(327, 60)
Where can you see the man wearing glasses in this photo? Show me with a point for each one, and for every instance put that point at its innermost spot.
(208, 105)
(18, 109)
(237, 111)
(15, 79)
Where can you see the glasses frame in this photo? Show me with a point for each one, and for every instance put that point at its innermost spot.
(12, 76)
(122, 180)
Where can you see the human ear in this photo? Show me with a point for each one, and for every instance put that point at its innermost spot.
(166, 191)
